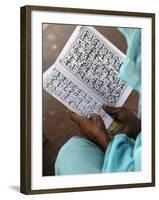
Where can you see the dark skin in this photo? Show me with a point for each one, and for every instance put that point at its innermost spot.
(94, 128)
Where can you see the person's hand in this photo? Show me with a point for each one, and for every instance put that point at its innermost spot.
(132, 124)
(93, 129)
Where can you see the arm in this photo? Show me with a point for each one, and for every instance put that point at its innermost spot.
(94, 128)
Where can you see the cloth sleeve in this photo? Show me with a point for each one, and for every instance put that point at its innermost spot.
(122, 155)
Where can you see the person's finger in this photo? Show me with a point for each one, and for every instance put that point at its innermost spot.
(94, 117)
(78, 118)
(111, 110)
(75, 117)
(100, 123)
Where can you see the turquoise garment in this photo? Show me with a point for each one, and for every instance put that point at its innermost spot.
(123, 154)
(79, 156)
(131, 68)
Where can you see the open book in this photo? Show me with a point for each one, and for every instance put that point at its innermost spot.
(86, 74)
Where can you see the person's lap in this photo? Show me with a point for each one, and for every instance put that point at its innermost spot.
(79, 156)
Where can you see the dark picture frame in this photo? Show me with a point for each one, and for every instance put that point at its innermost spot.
(26, 42)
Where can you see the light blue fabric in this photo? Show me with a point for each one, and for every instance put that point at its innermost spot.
(131, 68)
(123, 154)
(81, 156)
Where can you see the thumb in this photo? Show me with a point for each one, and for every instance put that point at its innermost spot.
(113, 111)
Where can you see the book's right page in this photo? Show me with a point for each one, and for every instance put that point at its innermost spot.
(96, 62)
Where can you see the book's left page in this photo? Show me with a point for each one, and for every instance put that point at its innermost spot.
(75, 96)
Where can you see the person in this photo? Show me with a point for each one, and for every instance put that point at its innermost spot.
(94, 151)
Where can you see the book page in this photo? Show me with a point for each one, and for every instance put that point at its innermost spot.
(96, 62)
(67, 90)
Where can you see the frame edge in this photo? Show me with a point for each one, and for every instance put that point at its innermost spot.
(25, 97)
(153, 100)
